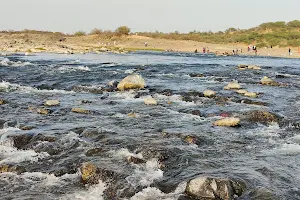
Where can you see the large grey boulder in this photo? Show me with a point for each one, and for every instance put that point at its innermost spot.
(210, 188)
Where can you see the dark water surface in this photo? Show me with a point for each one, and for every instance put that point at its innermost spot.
(265, 157)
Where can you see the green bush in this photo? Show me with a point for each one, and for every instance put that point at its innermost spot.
(79, 33)
(122, 30)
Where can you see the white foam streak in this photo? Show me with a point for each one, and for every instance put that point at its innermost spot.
(7, 87)
(6, 62)
(94, 192)
(145, 174)
(10, 154)
(124, 153)
(151, 193)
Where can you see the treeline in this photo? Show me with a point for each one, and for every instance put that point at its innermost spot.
(280, 34)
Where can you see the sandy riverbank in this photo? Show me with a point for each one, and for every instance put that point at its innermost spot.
(56, 43)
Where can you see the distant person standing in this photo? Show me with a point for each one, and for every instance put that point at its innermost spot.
(207, 50)
(290, 52)
(146, 44)
(203, 50)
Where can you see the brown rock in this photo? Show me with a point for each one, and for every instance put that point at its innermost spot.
(94, 152)
(135, 160)
(261, 116)
(2, 102)
(81, 110)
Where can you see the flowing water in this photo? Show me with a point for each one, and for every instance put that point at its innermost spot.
(265, 156)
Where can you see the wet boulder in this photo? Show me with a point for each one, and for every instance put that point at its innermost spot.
(2, 102)
(214, 188)
(12, 168)
(81, 110)
(250, 94)
(261, 116)
(209, 93)
(230, 121)
(167, 92)
(191, 96)
(150, 101)
(51, 103)
(241, 91)
(135, 160)
(113, 84)
(196, 112)
(196, 75)
(268, 81)
(250, 102)
(133, 81)
(232, 85)
(90, 174)
(43, 111)
(94, 152)
(253, 67)
(21, 141)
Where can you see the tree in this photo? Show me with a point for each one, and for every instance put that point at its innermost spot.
(294, 24)
(123, 30)
(79, 33)
(96, 32)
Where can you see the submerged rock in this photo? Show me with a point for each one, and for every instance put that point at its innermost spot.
(209, 93)
(214, 188)
(135, 160)
(230, 121)
(2, 102)
(81, 110)
(94, 152)
(253, 67)
(90, 174)
(241, 91)
(150, 101)
(11, 168)
(196, 75)
(268, 81)
(21, 141)
(43, 111)
(261, 116)
(251, 102)
(133, 81)
(132, 115)
(51, 103)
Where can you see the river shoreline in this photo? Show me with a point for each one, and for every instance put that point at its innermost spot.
(31, 43)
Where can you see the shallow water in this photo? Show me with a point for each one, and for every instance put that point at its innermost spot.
(265, 157)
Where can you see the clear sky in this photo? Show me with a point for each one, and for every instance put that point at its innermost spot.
(143, 15)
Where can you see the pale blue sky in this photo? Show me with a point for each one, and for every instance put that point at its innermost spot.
(141, 15)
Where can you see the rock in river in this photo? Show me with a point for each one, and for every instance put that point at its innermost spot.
(51, 103)
(232, 85)
(80, 110)
(268, 81)
(209, 93)
(261, 116)
(150, 101)
(2, 102)
(230, 121)
(133, 81)
(214, 188)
